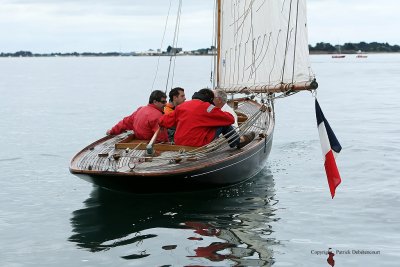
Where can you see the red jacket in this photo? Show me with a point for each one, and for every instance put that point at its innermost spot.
(144, 123)
(196, 122)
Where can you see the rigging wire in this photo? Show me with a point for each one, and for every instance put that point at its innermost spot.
(162, 43)
(174, 44)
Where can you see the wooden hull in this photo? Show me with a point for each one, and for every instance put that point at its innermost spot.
(120, 163)
(225, 173)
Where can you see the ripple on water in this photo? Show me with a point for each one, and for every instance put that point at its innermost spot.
(10, 159)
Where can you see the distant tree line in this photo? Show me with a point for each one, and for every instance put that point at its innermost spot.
(87, 54)
(202, 51)
(321, 47)
(350, 48)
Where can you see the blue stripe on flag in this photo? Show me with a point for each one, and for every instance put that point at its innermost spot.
(335, 145)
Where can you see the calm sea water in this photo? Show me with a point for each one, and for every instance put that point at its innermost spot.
(52, 107)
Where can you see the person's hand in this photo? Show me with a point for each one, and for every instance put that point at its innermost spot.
(108, 132)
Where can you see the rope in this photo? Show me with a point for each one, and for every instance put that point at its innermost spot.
(161, 45)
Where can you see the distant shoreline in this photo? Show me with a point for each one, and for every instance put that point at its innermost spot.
(319, 49)
(179, 55)
(350, 53)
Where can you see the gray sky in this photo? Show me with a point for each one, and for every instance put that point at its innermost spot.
(44, 26)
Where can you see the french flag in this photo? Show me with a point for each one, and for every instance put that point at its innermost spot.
(330, 147)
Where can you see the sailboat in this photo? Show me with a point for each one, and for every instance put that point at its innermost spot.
(262, 55)
(339, 55)
(360, 54)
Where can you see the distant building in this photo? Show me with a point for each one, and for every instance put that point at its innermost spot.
(150, 52)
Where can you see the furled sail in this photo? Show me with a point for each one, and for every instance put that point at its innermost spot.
(263, 44)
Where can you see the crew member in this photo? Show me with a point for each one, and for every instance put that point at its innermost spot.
(144, 121)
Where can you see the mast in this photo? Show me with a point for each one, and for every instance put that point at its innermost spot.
(218, 30)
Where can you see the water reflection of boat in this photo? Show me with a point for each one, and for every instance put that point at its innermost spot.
(227, 225)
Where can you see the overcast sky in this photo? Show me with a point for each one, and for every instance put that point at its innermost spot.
(44, 26)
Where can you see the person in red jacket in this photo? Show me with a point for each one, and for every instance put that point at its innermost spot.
(176, 97)
(144, 121)
(198, 122)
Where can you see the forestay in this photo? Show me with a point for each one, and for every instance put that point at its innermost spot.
(262, 43)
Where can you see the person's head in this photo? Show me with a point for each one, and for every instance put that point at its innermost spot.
(220, 98)
(177, 96)
(158, 98)
(205, 95)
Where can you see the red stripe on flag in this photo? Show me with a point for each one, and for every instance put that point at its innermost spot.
(332, 172)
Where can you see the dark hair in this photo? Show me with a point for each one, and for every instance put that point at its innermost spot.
(174, 92)
(205, 95)
(156, 95)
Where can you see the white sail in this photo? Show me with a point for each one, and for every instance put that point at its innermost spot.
(262, 43)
